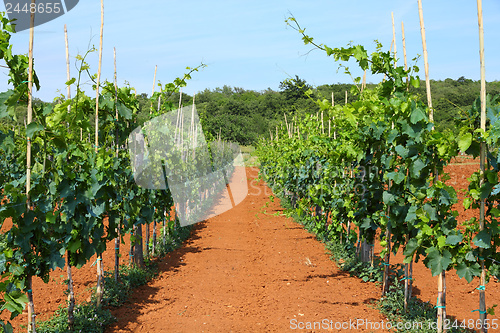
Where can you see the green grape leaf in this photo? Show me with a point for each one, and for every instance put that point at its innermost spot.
(436, 261)
(495, 212)
(411, 247)
(74, 245)
(56, 260)
(123, 110)
(417, 166)
(33, 128)
(468, 271)
(483, 239)
(402, 151)
(470, 256)
(388, 198)
(464, 141)
(7, 328)
(441, 241)
(417, 115)
(467, 203)
(50, 217)
(4, 96)
(454, 239)
(415, 82)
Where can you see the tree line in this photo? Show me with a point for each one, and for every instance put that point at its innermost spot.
(241, 115)
(244, 115)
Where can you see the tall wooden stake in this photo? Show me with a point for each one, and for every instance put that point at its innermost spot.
(192, 129)
(426, 62)
(30, 108)
(394, 39)
(404, 47)
(150, 112)
(118, 227)
(441, 299)
(333, 118)
(322, 124)
(71, 292)
(31, 303)
(482, 162)
(404, 51)
(100, 272)
(68, 76)
(408, 267)
(99, 80)
(363, 85)
(152, 93)
(387, 258)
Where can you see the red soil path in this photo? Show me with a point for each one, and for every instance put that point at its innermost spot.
(249, 270)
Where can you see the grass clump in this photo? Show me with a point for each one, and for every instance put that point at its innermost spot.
(91, 319)
(420, 316)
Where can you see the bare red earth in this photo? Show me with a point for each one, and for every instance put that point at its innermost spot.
(249, 270)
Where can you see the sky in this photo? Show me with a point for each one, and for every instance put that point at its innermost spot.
(247, 44)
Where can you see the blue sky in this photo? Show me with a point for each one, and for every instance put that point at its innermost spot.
(247, 43)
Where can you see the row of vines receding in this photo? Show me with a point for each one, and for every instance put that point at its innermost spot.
(82, 195)
(373, 171)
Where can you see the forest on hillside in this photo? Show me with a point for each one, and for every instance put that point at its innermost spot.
(242, 116)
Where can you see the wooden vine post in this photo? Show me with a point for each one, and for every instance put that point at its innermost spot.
(333, 119)
(29, 278)
(426, 62)
(482, 164)
(441, 299)
(404, 48)
(408, 267)
(387, 258)
(150, 114)
(68, 76)
(152, 92)
(71, 292)
(118, 227)
(363, 85)
(100, 271)
(394, 39)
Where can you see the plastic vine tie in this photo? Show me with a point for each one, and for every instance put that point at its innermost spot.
(95, 262)
(439, 306)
